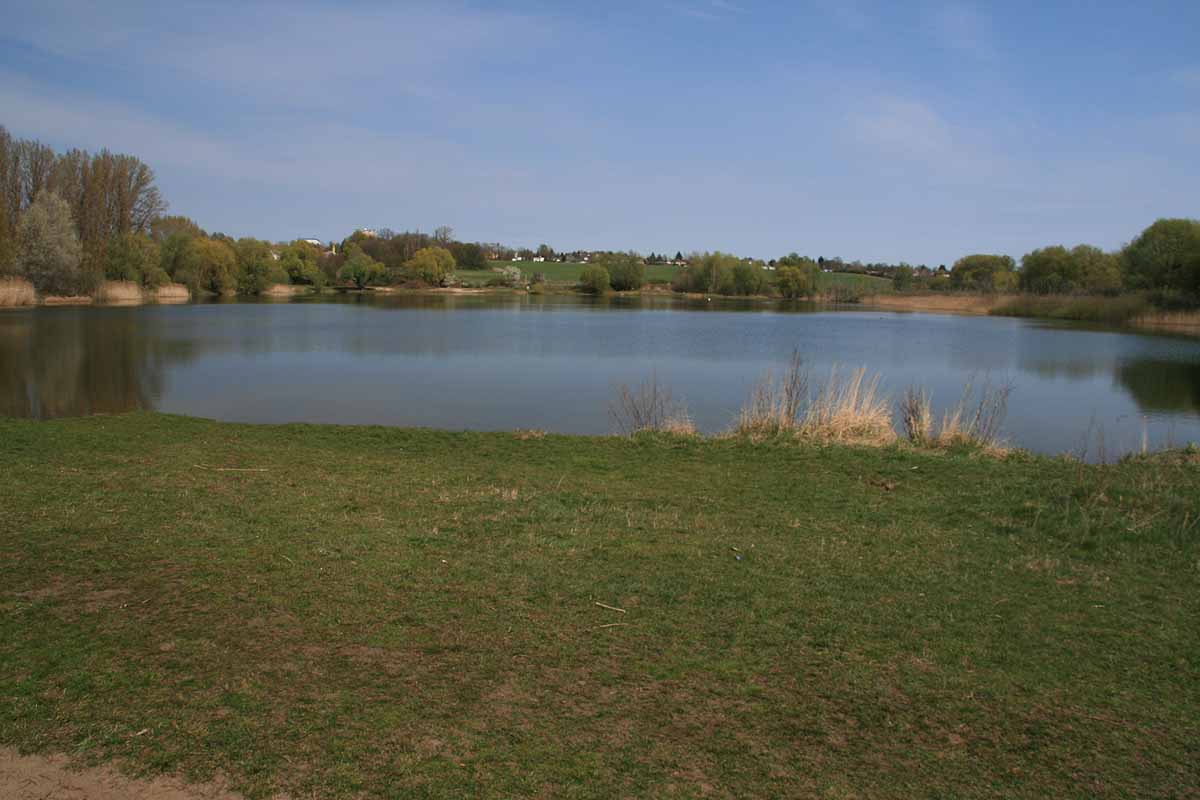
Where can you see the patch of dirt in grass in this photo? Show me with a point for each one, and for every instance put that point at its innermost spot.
(51, 778)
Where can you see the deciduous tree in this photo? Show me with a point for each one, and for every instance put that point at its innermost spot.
(48, 251)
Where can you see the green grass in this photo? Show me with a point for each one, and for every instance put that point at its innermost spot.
(866, 284)
(401, 613)
(569, 272)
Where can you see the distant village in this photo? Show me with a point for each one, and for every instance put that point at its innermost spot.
(544, 253)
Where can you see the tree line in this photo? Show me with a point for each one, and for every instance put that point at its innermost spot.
(1163, 262)
(106, 202)
(71, 220)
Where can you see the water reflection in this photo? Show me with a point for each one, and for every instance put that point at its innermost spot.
(1158, 385)
(502, 362)
(73, 362)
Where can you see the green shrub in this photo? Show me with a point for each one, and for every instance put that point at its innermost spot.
(626, 271)
(431, 264)
(594, 280)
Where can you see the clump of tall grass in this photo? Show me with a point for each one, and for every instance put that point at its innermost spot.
(975, 421)
(649, 407)
(776, 406)
(850, 408)
(847, 407)
(17, 292)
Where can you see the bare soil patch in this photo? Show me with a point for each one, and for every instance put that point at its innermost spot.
(52, 778)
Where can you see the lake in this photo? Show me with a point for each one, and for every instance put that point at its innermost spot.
(490, 362)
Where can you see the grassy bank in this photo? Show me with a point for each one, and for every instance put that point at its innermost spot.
(343, 612)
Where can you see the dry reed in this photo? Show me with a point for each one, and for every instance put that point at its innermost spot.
(844, 408)
(119, 293)
(171, 293)
(649, 407)
(974, 421)
(776, 406)
(850, 408)
(16, 292)
(916, 416)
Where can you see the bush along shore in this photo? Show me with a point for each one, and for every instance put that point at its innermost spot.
(343, 612)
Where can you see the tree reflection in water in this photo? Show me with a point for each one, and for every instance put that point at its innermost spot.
(1159, 385)
(71, 362)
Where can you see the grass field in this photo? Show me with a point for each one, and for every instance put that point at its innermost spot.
(558, 272)
(349, 612)
(866, 284)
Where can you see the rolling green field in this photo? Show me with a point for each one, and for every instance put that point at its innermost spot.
(568, 273)
(370, 612)
(867, 284)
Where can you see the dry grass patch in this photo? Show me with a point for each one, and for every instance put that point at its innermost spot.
(938, 303)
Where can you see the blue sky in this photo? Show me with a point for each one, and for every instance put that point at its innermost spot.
(880, 131)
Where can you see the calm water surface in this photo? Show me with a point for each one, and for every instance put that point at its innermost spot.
(491, 362)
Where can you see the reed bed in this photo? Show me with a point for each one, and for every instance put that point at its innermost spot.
(171, 293)
(1176, 321)
(940, 303)
(120, 293)
(283, 290)
(16, 292)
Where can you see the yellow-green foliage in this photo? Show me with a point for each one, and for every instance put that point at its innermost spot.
(594, 280)
(431, 264)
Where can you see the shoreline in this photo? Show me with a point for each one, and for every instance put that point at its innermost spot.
(1049, 308)
(19, 294)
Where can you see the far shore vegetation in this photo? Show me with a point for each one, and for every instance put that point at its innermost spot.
(77, 227)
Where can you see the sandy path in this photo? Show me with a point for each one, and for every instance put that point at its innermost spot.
(49, 778)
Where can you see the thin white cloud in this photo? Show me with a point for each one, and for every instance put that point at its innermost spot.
(909, 131)
(318, 158)
(964, 28)
(305, 55)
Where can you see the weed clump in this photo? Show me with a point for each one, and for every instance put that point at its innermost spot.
(649, 407)
(846, 408)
